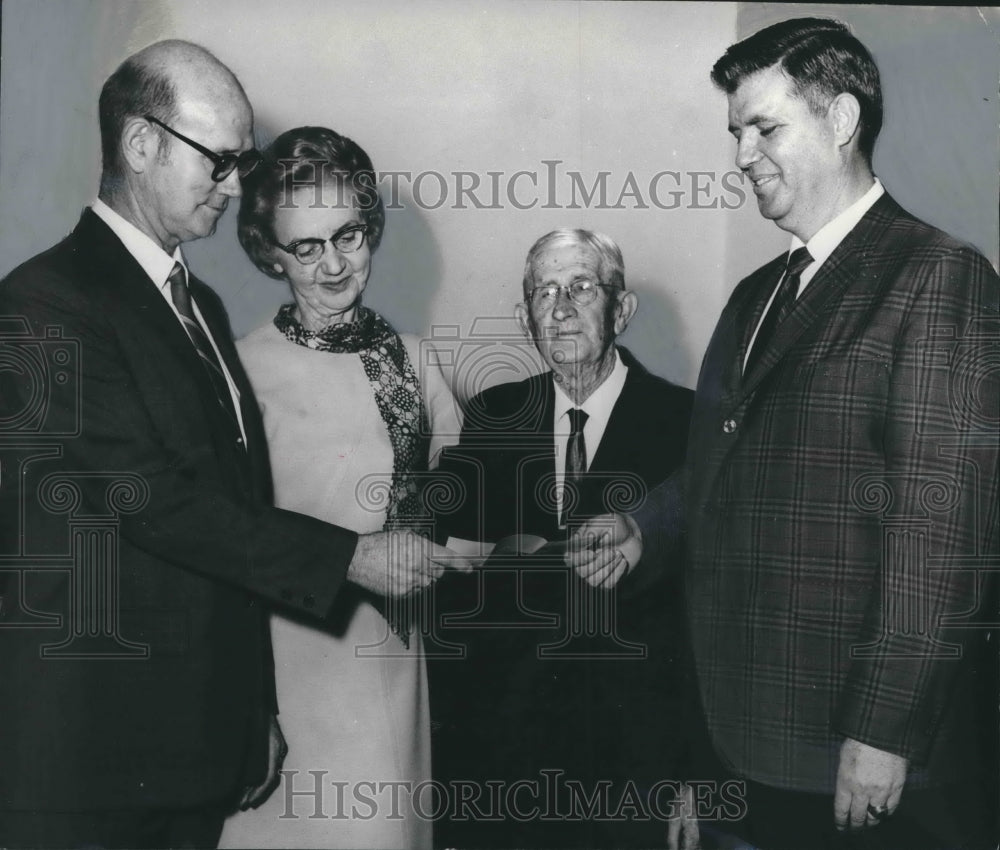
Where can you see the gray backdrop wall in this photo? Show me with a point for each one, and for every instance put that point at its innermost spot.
(541, 103)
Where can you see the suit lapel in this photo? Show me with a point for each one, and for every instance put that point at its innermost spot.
(751, 311)
(747, 315)
(218, 327)
(855, 261)
(135, 299)
(841, 269)
(255, 453)
(543, 422)
(128, 286)
(612, 472)
(546, 432)
(823, 290)
(626, 412)
(528, 455)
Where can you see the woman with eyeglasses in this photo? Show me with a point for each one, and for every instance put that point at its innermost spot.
(349, 413)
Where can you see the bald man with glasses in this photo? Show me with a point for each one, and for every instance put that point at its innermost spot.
(139, 703)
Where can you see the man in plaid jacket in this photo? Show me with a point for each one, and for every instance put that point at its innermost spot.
(840, 495)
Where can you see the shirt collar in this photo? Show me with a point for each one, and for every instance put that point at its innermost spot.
(601, 401)
(825, 241)
(155, 262)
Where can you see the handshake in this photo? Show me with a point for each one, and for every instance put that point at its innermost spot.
(398, 563)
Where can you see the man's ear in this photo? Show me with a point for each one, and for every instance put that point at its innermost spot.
(628, 303)
(523, 320)
(139, 143)
(844, 113)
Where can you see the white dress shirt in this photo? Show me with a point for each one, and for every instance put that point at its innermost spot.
(598, 408)
(158, 264)
(823, 243)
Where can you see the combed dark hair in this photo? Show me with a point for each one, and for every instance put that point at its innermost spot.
(134, 89)
(612, 265)
(298, 158)
(822, 58)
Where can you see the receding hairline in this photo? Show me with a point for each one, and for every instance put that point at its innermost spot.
(192, 70)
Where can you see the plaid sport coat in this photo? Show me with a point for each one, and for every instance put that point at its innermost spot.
(840, 503)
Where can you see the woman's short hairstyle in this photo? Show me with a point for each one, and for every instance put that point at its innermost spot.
(313, 158)
(611, 269)
(822, 58)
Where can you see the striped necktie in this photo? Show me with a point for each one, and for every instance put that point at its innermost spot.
(181, 297)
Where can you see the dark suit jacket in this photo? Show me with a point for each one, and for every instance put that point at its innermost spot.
(839, 500)
(507, 449)
(503, 712)
(200, 551)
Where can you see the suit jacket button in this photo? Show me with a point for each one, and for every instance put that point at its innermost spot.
(309, 600)
(729, 426)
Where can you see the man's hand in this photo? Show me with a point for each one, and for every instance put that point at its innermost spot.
(682, 828)
(277, 749)
(868, 780)
(397, 563)
(604, 549)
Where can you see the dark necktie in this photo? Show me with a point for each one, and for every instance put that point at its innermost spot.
(576, 458)
(576, 448)
(203, 345)
(781, 306)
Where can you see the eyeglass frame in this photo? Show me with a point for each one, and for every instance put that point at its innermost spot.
(315, 240)
(568, 289)
(223, 164)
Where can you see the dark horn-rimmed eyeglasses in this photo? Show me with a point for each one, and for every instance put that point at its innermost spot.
(223, 163)
(347, 240)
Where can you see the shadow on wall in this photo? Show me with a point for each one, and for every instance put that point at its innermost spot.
(487, 351)
(406, 271)
(658, 335)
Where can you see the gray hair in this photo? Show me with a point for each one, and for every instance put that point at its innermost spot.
(611, 269)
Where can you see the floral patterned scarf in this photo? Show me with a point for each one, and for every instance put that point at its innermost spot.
(397, 394)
